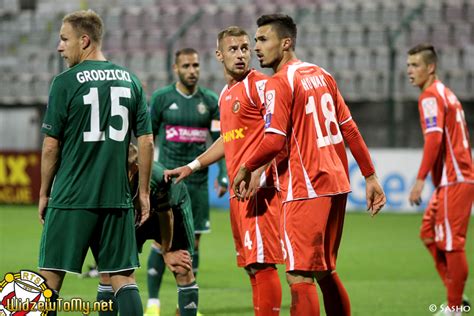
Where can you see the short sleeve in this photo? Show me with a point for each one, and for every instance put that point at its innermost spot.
(56, 112)
(278, 102)
(431, 113)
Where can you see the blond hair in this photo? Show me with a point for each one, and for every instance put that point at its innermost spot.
(86, 22)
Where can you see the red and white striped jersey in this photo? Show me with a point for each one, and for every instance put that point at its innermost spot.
(304, 105)
(242, 124)
(441, 112)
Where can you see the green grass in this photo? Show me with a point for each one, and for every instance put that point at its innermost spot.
(384, 266)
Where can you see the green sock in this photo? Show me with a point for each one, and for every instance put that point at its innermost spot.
(155, 270)
(195, 262)
(129, 302)
(105, 293)
(188, 299)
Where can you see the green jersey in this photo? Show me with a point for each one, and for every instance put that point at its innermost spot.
(92, 109)
(182, 124)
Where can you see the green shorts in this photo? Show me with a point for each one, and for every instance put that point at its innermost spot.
(69, 233)
(199, 194)
(183, 230)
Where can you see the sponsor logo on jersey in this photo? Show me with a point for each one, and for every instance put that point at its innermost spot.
(430, 111)
(237, 133)
(24, 292)
(236, 106)
(185, 134)
(201, 108)
(174, 106)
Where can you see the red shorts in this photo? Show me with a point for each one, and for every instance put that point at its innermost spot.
(312, 231)
(428, 221)
(452, 218)
(255, 225)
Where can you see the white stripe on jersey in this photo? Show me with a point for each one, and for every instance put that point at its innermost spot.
(289, 195)
(309, 186)
(274, 130)
(345, 121)
(247, 90)
(433, 129)
(291, 72)
(222, 92)
(260, 252)
(459, 177)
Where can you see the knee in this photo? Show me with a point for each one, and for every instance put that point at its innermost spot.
(54, 279)
(119, 279)
(183, 276)
(427, 241)
(294, 277)
(104, 278)
(256, 267)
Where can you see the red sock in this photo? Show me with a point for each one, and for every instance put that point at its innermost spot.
(456, 276)
(269, 292)
(304, 299)
(439, 259)
(336, 299)
(253, 282)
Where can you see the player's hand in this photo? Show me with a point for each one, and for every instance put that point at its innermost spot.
(179, 261)
(179, 173)
(415, 193)
(220, 189)
(374, 194)
(42, 205)
(242, 182)
(144, 207)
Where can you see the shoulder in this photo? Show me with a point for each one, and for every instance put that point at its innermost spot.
(208, 93)
(164, 91)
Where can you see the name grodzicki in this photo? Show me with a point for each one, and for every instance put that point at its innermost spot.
(102, 75)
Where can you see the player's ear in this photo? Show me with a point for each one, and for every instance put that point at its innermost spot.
(432, 68)
(219, 56)
(175, 68)
(287, 44)
(85, 41)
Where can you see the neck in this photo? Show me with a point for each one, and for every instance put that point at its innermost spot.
(232, 79)
(185, 90)
(429, 82)
(287, 56)
(94, 53)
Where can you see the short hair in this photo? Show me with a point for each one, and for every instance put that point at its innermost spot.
(428, 53)
(283, 24)
(230, 31)
(184, 51)
(86, 22)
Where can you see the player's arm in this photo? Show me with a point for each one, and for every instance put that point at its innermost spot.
(432, 121)
(145, 161)
(155, 113)
(210, 156)
(160, 203)
(49, 165)
(278, 102)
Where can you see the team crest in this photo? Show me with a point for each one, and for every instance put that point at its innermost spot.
(236, 106)
(201, 108)
(22, 293)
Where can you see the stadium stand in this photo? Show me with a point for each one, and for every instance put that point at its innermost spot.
(348, 38)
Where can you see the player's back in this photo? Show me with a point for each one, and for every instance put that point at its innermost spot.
(315, 169)
(94, 107)
(443, 112)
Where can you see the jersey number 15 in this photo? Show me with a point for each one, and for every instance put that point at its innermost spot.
(92, 99)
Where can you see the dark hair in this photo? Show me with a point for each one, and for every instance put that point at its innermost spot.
(283, 24)
(86, 22)
(184, 51)
(427, 51)
(230, 31)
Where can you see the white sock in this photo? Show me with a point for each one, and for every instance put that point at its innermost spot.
(153, 301)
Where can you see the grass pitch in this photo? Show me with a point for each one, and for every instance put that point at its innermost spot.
(382, 262)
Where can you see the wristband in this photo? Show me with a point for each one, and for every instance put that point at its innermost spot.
(194, 165)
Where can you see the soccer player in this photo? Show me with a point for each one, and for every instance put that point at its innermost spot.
(447, 154)
(182, 115)
(170, 223)
(306, 113)
(93, 108)
(255, 221)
